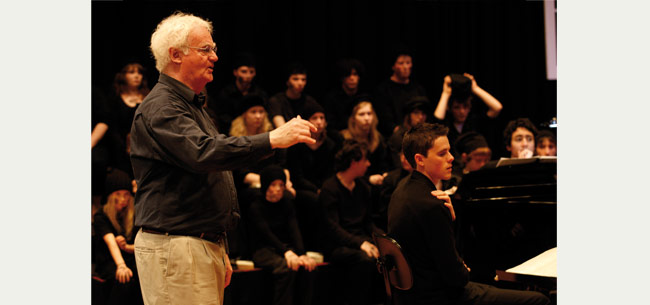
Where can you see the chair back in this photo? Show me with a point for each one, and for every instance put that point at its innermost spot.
(392, 264)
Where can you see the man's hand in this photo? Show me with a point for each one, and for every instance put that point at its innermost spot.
(446, 85)
(370, 249)
(293, 261)
(295, 131)
(121, 242)
(226, 281)
(525, 153)
(467, 267)
(308, 262)
(123, 274)
(377, 179)
(445, 197)
(474, 84)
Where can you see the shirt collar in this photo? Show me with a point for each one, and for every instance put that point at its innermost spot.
(182, 89)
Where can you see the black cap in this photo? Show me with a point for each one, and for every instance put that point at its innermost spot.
(249, 101)
(243, 59)
(461, 87)
(470, 141)
(116, 180)
(309, 109)
(269, 174)
(417, 102)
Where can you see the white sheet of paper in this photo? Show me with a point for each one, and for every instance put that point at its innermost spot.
(544, 264)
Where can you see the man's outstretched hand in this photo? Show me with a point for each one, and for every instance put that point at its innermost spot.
(295, 131)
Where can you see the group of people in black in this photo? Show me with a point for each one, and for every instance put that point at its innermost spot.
(328, 197)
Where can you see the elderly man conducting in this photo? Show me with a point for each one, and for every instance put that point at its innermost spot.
(186, 197)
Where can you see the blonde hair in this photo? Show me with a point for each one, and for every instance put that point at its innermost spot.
(174, 31)
(353, 132)
(122, 221)
(238, 127)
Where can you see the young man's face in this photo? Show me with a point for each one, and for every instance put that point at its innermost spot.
(297, 82)
(351, 82)
(402, 66)
(522, 143)
(318, 119)
(437, 163)
(546, 147)
(244, 74)
(359, 167)
(460, 110)
(275, 191)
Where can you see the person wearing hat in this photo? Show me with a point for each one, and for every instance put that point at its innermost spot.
(473, 150)
(252, 118)
(227, 104)
(278, 242)
(113, 238)
(415, 112)
(455, 105)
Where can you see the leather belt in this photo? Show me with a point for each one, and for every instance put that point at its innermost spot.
(209, 236)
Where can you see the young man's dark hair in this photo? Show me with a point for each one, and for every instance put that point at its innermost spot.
(351, 151)
(513, 125)
(345, 66)
(244, 59)
(295, 68)
(420, 138)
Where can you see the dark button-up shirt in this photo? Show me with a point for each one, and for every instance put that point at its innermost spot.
(182, 163)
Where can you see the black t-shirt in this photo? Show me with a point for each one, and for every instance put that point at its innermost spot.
(105, 265)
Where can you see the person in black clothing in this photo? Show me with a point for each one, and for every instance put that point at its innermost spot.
(392, 94)
(346, 198)
(113, 238)
(227, 104)
(417, 110)
(278, 241)
(186, 197)
(289, 103)
(339, 101)
(455, 105)
(129, 89)
(422, 225)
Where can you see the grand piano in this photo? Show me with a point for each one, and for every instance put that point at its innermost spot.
(507, 213)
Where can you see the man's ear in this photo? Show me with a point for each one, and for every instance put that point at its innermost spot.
(509, 148)
(419, 160)
(175, 55)
(463, 158)
(234, 72)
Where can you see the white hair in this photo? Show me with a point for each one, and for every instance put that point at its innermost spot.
(174, 31)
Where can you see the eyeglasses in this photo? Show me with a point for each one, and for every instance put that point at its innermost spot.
(205, 49)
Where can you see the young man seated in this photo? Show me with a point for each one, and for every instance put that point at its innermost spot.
(519, 137)
(422, 224)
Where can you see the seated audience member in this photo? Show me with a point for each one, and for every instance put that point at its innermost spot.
(129, 89)
(392, 94)
(226, 105)
(114, 232)
(254, 120)
(474, 153)
(362, 127)
(380, 210)
(310, 165)
(285, 105)
(347, 200)
(519, 137)
(423, 227)
(339, 101)
(278, 241)
(454, 108)
(546, 144)
(415, 112)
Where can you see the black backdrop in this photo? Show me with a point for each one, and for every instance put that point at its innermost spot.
(500, 42)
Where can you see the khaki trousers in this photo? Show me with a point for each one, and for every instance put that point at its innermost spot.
(179, 269)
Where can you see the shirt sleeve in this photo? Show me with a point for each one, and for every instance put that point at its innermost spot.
(184, 143)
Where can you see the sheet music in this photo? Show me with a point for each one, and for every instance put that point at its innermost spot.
(544, 264)
(515, 161)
